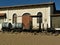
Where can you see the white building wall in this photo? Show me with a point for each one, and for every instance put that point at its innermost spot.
(33, 11)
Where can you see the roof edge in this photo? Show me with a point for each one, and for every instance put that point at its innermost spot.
(46, 3)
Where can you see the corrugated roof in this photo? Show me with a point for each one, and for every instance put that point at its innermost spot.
(49, 3)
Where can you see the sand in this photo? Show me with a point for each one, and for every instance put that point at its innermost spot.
(25, 38)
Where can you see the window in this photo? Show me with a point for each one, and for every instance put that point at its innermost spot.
(2, 17)
(39, 18)
(14, 18)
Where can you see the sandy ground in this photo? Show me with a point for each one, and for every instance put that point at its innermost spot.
(25, 38)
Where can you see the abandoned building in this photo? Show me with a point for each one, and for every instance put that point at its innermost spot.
(43, 15)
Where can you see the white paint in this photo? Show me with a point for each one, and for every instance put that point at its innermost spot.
(0, 27)
(57, 28)
(34, 23)
(33, 11)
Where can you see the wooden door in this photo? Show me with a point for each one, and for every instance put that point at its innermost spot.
(26, 20)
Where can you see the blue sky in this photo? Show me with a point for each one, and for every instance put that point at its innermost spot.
(22, 2)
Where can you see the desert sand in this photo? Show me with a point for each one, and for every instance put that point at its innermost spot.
(26, 38)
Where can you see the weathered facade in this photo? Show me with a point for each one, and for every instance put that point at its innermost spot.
(39, 15)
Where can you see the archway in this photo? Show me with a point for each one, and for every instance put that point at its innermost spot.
(26, 20)
(39, 19)
(14, 18)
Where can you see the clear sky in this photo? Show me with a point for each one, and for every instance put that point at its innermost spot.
(22, 2)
